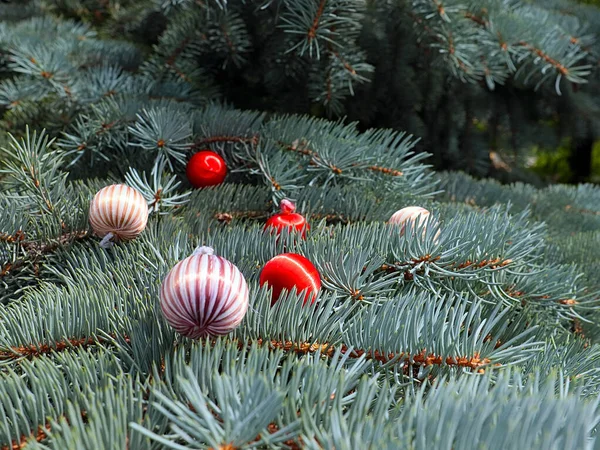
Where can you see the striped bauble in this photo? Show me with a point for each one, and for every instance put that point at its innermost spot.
(204, 295)
(118, 212)
(410, 215)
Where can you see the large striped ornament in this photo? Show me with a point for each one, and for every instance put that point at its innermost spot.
(118, 211)
(204, 295)
(409, 216)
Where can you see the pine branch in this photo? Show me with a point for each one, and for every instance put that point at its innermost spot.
(19, 236)
(36, 248)
(37, 350)
(312, 31)
(40, 435)
(225, 139)
(303, 149)
(478, 20)
(538, 52)
(474, 362)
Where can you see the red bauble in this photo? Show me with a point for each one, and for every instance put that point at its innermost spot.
(206, 168)
(287, 218)
(290, 270)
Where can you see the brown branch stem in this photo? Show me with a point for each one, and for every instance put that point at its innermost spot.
(312, 31)
(226, 139)
(557, 65)
(40, 435)
(422, 358)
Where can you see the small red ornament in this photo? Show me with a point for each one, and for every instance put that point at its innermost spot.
(290, 270)
(206, 168)
(287, 218)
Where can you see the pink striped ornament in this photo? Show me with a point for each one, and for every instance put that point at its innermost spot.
(409, 216)
(118, 211)
(204, 295)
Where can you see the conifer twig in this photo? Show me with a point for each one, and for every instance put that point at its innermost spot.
(34, 351)
(312, 31)
(47, 247)
(557, 65)
(422, 358)
(40, 435)
(476, 19)
(225, 139)
(301, 348)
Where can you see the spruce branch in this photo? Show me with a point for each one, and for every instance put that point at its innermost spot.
(40, 435)
(100, 417)
(240, 415)
(390, 354)
(166, 134)
(476, 405)
(34, 171)
(499, 45)
(276, 169)
(60, 376)
(34, 351)
(161, 192)
(34, 251)
(225, 139)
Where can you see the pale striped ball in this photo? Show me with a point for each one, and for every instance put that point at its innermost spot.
(204, 295)
(120, 210)
(410, 215)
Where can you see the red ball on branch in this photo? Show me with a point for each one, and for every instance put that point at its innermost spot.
(206, 168)
(290, 270)
(287, 218)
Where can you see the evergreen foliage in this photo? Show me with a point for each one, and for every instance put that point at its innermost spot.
(486, 336)
(479, 81)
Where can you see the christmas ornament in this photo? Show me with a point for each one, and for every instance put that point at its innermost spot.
(118, 211)
(410, 215)
(206, 168)
(204, 295)
(290, 270)
(287, 218)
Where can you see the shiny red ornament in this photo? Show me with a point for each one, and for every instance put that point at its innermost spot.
(289, 219)
(206, 168)
(290, 270)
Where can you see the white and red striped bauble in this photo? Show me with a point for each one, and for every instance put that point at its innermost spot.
(204, 295)
(118, 211)
(409, 216)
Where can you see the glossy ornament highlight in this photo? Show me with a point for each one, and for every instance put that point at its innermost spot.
(206, 168)
(290, 270)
